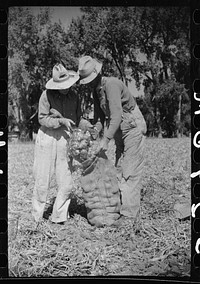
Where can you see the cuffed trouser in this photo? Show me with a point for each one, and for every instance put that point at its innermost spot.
(51, 154)
(129, 142)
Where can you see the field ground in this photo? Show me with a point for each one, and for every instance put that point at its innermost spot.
(158, 246)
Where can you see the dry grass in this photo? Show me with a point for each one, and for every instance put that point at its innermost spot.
(158, 245)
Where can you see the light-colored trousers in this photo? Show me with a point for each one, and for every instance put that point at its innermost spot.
(129, 141)
(51, 154)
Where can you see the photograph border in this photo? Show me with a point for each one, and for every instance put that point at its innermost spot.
(195, 130)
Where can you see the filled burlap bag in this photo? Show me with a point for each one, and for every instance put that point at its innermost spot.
(101, 193)
(99, 180)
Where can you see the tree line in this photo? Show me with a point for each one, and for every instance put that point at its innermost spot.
(148, 44)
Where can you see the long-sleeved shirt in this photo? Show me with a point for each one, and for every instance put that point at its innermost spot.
(67, 105)
(111, 99)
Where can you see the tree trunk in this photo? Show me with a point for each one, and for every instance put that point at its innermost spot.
(179, 134)
(157, 115)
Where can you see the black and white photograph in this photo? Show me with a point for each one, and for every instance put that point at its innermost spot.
(99, 142)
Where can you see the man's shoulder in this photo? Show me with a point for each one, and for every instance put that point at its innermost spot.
(47, 95)
(43, 94)
(113, 81)
(50, 92)
(113, 84)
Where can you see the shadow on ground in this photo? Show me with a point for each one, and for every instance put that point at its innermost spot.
(75, 207)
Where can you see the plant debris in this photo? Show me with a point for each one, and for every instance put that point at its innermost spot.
(158, 244)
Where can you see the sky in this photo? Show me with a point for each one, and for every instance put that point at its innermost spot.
(63, 13)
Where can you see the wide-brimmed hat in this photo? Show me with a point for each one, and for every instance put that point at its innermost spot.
(88, 69)
(62, 78)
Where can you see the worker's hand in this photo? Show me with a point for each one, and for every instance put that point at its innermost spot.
(95, 130)
(103, 147)
(68, 123)
(85, 125)
(104, 144)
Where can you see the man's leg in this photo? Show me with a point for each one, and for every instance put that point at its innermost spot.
(42, 170)
(64, 182)
(132, 169)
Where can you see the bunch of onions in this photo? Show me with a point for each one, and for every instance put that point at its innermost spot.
(82, 146)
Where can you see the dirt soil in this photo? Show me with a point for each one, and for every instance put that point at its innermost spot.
(158, 245)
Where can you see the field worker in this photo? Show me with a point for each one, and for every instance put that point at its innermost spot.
(59, 111)
(116, 107)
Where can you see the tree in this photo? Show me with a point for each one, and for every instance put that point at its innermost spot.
(35, 45)
(116, 35)
(106, 33)
(17, 74)
(148, 44)
(164, 39)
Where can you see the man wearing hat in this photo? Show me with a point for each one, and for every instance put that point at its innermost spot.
(116, 107)
(59, 110)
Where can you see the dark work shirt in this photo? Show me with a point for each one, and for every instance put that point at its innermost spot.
(112, 98)
(67, 105)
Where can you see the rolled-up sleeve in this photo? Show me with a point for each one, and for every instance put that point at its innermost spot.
(113, 94)
(44, 113)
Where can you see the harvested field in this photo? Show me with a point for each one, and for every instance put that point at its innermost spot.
(157, 246)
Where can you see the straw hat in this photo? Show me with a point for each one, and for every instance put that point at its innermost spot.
(62, 78)
(88, 69)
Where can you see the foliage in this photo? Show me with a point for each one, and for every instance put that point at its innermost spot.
(106, 33)
(147, 44)
(116, 36)
(172, 101)
(168, 95)
(165, 41)
(35, 45)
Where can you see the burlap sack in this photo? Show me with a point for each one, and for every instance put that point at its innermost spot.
(101, 194)
(99, 179)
